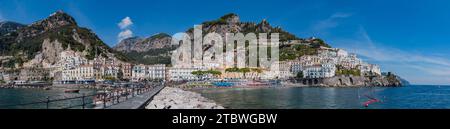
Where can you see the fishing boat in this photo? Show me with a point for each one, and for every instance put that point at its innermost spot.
(72, 91)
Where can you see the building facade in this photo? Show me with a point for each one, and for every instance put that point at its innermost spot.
(148, 72)
(183, 74)
(319, 71)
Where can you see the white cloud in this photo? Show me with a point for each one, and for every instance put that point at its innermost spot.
(124, 34)
(331, 22)
(340, 15)
(125, 23)
(420, 68)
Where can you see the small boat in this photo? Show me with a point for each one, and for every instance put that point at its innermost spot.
(223, 84)
(47, 88)
(72, 91)
(371, 101)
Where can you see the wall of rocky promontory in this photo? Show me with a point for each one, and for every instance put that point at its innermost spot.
(175, 98)
(353, 81)
(360, 81)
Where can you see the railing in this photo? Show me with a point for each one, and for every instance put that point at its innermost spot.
(114, 97)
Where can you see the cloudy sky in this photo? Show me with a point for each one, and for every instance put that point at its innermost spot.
(410, 38)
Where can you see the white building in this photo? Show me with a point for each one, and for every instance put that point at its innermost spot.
(368, 69)
(148, 72)
(110, 70)
(183, 74)
(70, 59)
(341, 53)
(310, 60)
(350, 61)
(278, 70)
(80, 74)
(319, 71)
(296, 67)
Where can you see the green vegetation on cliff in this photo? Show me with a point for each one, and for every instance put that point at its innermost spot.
(154, 56)
(341, 71)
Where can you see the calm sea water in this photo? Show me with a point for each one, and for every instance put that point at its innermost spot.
(409, 97)
(11, 97)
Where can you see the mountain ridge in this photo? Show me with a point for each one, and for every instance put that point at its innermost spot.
(33, 44)
(136, 48)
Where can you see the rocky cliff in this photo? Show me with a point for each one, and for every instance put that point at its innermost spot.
(8, 27)
(231, 23)
(152, 50)
(344, 81)
(157, 49)
(40, 43)
(138, 44)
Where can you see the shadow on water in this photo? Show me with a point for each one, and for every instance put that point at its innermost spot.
(20, 96)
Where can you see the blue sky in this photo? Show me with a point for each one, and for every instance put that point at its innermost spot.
(410, 38)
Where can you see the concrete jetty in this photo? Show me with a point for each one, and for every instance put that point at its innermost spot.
(137, 102)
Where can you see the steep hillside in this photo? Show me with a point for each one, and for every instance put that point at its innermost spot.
(42, 41)
(156, 49)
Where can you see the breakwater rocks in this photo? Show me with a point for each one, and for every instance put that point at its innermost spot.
(175, 98)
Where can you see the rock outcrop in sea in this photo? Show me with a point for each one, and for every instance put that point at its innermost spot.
(343, 81)
(175, 98)
(389, 80)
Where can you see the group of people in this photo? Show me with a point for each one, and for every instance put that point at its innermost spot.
(115, 95)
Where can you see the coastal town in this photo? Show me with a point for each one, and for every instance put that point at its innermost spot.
(73, 58)
(223, 63)
(77, 56)
(73, 68)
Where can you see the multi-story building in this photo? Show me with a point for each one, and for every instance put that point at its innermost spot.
(370, 69)
(296, 67)
(81, 74)
(319, 71)
(110, 70)
(278, 70)
(157, 72)
(183, 74)
(70, 59)
(350, 62)
(310, 60)
(148, 72)
(127, 70)
(341, 53)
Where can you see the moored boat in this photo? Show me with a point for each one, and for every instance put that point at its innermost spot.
(72, 91)
(257, 83)
(223, 84)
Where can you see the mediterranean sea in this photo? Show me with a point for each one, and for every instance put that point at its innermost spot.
(407, 97)
(13, 98)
